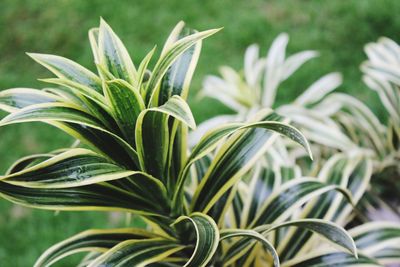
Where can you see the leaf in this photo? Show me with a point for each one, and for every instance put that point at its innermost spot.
(90, 240)
(113, 54)
(79, 90)
(75, 167)
(207, 238)
(52, 111)
(251, 234)
(373, 238)
(232, 160)
(103, 197)
(66, 69)
(330, 259)
(24, 162)
(152, 141)
(319, 89)
(290, 196)
(126, 104)
(78, 123)
(179, 109)
(142, 70)
(137, 253)
(168, 58)
(17, 98)
(152, 134)
(176, 80)
(262, 185)
(329, 230)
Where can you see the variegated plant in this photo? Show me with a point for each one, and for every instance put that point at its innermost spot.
(134, 123)
(339, 126)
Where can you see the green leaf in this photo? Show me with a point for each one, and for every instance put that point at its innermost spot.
(75, 167)
(327, 229)
(113, 54)
(24, 162)
(207, 238)
(338, 170)
(166, 60)
(215, 136)
(291, 196)
(64, 68)
(373, 237)
(153, 134)
(52, 111)
(90, 240)
(152, 137)
(330, 259)
(176, 80)
(103, 197)
(137, 253)
(17, 98)
(126, 104)
(251, 234)
(105, 142)
(263, 184)
(179, 109)
(233, 159)
(142, 70)
(79, 90)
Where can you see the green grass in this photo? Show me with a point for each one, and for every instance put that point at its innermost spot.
(338, 29)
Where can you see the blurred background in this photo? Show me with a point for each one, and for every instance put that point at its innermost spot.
(337, 29)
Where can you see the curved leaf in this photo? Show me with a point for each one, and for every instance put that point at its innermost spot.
(207, 238)
(331, 259)
(92, 241)
(229, 233)
(126, 104)
(17, 98)
(113, 54)
(67, 69)
(291, 196)
(166, 60)
(137, 253)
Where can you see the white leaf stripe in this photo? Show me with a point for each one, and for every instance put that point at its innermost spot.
(207, 238)
(67, 69)
(251, 234)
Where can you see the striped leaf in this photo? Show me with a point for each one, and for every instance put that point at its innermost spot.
(379, 240)
(331, 259)
(177, 79)
(104, 197)
(152, 134)
(168, 58)
(90, 241)
(52, 112)
(137, 253)
(76, 167)
(126, 104)
(330, 231)
(206, 237)
(17, 98)
(291, 196)
(27, 161)
(251, 235)
(113, 55)
(234, 159)
(66, 69)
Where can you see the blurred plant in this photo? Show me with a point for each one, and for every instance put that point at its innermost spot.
(337, 124)
(134, 124)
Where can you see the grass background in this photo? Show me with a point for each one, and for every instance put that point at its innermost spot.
(338, 29)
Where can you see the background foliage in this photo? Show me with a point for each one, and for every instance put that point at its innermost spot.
(338, 29)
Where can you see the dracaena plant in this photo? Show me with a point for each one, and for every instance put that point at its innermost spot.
(345, 135)
(134, 123)
(333, 122)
